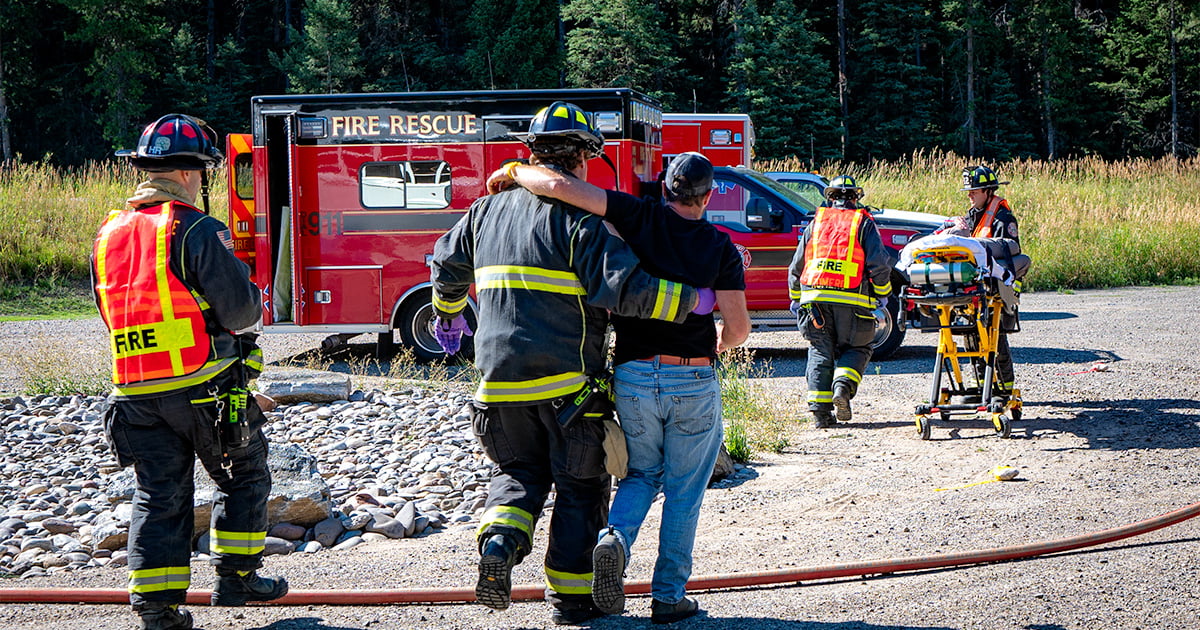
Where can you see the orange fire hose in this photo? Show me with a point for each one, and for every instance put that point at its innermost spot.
(636, 587)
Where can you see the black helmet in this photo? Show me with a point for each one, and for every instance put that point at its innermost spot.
(979, 177)
(843, 187)
(562, 128)
(175, 142)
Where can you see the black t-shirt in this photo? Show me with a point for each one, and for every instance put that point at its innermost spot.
(673, 248)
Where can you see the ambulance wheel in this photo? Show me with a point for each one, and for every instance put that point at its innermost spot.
(889, 339)
(924, 427)
(415, 324)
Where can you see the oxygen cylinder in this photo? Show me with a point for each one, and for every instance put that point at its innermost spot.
(941, 273)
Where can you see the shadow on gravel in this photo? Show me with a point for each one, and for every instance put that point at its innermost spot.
(303, 623)
(1166, 423)
(703, 620)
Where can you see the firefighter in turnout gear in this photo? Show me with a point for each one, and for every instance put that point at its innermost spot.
(991, 221)
(840, 273)
(171, 292)
(546, 274)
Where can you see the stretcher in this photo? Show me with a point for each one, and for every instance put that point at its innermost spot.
(961, 294)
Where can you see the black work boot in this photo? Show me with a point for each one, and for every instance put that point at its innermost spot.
(163, 616)
(841, 401)
(235, 588)
(823, 419)
(575, 616)
(608, 573)
(662, 612)
(496, 560)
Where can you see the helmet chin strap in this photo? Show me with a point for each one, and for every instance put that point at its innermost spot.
(616, 175)
(204, 189)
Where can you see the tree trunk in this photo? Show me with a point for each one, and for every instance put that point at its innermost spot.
(843, 95)
(6, 152)
(1051, 130)
(1174, 85)
(210, 43)
(970, 124)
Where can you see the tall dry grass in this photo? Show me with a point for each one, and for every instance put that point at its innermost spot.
(49, 215)
(1085, 222)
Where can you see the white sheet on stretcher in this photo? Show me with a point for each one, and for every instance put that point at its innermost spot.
(983, 262)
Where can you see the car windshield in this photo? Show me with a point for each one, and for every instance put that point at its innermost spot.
(784, 191)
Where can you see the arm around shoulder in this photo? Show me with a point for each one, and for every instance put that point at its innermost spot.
(735, 319)
(544, 182)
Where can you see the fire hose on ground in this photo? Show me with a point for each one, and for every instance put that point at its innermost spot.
(640, 587)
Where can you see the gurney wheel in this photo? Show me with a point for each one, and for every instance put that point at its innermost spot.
(924, 427)
(1003, 425)
(1016, 414)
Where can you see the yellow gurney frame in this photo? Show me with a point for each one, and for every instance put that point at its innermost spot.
(944, 281)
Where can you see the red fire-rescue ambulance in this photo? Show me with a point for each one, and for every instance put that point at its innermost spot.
(725, 139)
(336, 200)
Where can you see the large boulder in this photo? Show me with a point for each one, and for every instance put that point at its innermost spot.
(291, 385)
(299, 495)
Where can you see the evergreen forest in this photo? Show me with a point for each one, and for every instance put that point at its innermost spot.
(851, 80)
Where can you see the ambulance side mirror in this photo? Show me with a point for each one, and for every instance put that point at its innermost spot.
(762, 216)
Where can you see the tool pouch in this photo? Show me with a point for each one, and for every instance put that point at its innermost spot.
(593, 400)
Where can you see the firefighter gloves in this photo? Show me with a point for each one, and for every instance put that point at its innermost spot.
(449, 334)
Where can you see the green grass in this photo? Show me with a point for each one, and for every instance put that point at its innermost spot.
(753, 421)
(46, 298)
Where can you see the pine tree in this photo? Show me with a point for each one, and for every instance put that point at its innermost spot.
(514, 44)
(324, 56)
(771, 77)
(620, 43)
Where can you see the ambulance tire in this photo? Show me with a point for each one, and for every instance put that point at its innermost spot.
(415, 325)
(888, 340)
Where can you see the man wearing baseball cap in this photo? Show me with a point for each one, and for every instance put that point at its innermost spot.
(668, 396)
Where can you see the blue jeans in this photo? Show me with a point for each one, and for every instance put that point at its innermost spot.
(671, 416)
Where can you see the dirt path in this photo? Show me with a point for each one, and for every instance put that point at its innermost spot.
(1095, 450)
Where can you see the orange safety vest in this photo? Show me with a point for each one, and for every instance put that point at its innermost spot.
(983, 229)
(835, 256)
(156, 323)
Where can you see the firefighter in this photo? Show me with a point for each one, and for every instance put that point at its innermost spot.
(545, 274)
(171, 292)
(840, 273)
(992, 222)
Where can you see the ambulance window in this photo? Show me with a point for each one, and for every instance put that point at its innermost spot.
(419, 185)
(243, 176)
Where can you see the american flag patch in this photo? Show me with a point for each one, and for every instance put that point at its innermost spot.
(226, 239)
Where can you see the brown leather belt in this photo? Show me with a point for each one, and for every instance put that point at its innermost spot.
(667, 359)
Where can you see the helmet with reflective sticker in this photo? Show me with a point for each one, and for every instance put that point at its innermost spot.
(562, 128)
(980, 178)
(843, 187)
(175, 142)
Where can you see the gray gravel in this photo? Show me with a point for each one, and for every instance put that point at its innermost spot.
(1095, 449)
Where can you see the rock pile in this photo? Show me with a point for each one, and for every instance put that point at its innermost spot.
(380, 464)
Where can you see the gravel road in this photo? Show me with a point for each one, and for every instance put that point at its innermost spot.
(1095, 450)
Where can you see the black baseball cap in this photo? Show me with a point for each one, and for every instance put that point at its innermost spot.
(689, 175)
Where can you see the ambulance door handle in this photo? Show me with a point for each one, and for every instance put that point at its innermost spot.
(322, 297)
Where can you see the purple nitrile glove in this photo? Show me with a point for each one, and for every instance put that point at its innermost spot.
(708, 300)
(449, 334)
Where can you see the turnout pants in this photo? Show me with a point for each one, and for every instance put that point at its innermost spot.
(839, 340)
(533, 453)
(161, 438)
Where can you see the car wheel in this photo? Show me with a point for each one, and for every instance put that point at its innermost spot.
(889, 339)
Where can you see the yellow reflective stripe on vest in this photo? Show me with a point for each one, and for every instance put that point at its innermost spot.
(837, 297)
(545, 388)
(528, 278)
(506, 515)
(450, 308)
(237, 543)
(160, 579)
(845, 372)
(157, 386)
(569, 583)
(161, 251)
(668, 301)
(101, 250)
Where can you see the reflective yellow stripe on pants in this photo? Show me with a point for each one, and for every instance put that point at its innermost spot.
(160, 579)
(506, 515)
(569, 583)
(237, 543)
